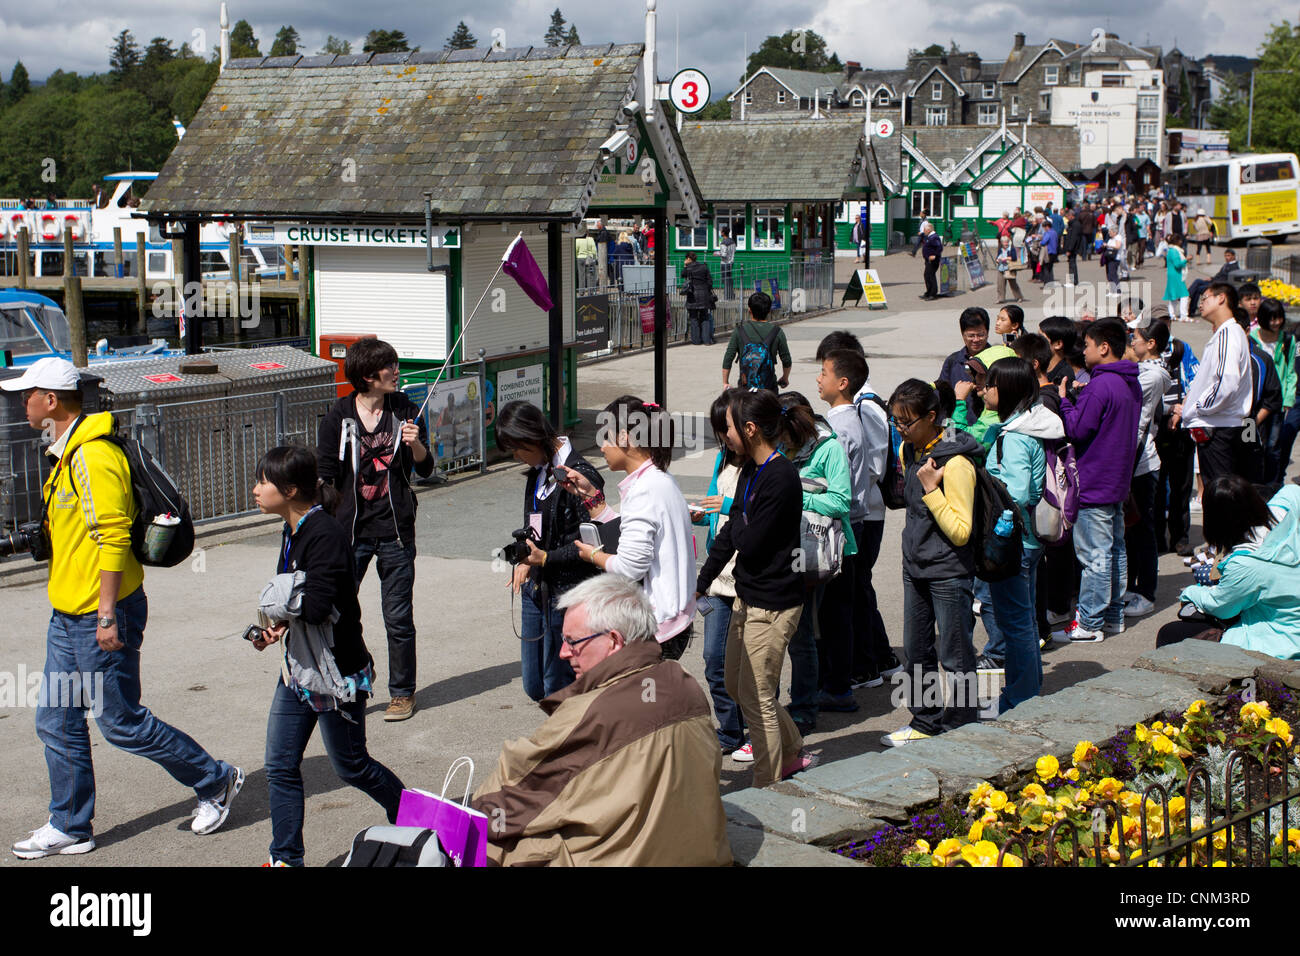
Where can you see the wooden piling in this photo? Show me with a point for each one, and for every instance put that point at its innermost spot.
(117, 252)
(67, 250)
(24, 245)
(142, 287)
(288, 263)
(236, 299)
(303, 289)
(74, 309)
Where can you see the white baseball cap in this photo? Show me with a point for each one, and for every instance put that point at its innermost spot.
(50, 374)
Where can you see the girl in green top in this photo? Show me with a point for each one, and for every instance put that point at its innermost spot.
(1279, 430)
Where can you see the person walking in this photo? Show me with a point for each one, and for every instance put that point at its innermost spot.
(312, 604)
(1202, 231)
(699, 299)
(1008, 265)
(1176, 293)
(931, 251)
(757, 343)
(99, 611)
(727, 257)
(367, 446)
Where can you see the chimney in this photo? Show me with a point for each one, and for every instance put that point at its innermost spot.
(851, 67)
(1020, 42)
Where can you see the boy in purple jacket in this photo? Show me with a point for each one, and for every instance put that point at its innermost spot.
(1103, 427)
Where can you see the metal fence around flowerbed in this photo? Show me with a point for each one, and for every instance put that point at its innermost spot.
(1233, 834)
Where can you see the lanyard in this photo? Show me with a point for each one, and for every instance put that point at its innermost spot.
(744, 509)
(288, 540)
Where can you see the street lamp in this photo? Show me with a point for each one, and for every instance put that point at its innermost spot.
(1250, 118)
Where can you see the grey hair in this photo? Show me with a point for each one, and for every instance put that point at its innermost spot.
(614, 603)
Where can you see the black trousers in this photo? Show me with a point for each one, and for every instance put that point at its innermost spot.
(1173, 500)
(1176, 632)
(1140, 540)
(1221, 455)
(1073, 261)
(931, 276)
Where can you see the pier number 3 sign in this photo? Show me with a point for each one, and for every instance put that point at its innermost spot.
(689, 91)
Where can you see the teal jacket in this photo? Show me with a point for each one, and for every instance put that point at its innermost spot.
(984, 429)
(1017, 459)
(828, 461)
(1262, 584)
(712, 519)
(1283, 352)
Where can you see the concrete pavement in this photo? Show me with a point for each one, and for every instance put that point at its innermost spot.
(199, 675)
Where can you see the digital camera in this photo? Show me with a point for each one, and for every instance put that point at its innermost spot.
(517, 550)
(29, 536)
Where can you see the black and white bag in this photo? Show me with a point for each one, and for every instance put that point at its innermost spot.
(384, 846)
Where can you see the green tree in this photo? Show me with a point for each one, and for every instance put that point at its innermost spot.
(571, 38)
(555, 32)
(286, 42)
(242, 41)
(719, 109)
(123, 57)
(158, 52)
(934, 49)
(336, 46)
(793, 50)
(461, 39)
(190, 81)
(36, 128)
(386, 41)
(1277, 97)
(116, 129)
(19, 84)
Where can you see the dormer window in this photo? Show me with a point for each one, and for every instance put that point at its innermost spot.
(882, 98)
(857, 99)
(936, 91)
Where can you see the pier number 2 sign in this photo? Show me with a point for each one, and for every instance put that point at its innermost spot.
(689, 91)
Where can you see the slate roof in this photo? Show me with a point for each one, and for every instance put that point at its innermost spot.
(1058, 145)
(1018, 60)
(493, 133)
(871, 80)
(776, 159)
(1115, 48)
(804, 83)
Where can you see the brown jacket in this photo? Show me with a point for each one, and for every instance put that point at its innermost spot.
(623, 772)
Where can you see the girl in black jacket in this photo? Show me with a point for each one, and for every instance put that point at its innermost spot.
(315, 544)
(553, 564)
(763, 531)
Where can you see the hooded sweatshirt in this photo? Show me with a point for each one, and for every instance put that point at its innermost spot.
(1262, 584)
(936, 533)
(985, 427)
(1103, 427)
(1018, 460)
(1154, 378)
(824, 460)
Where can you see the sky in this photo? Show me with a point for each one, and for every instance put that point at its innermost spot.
(711, 35)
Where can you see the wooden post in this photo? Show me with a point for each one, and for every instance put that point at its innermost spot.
(76, 313)
(178, 280)
(142, 288)
(303, 288)
(236, 298)
(23, 246)
(67, 250)
(117, 251)
(288, 263)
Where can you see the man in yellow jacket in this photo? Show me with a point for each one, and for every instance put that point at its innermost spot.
(93, 644)
(624, 771)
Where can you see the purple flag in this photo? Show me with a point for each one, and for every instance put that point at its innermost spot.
(520, 266)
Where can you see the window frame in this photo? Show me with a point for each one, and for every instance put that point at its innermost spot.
(989, 90)
(882, 97)
(936, 91)
(857, 99)
(780, 97)
(728, 216)
(980, 115)
(682, 229)
(768, 214)
(1051, 74)
(1015, 104)
(917, 194)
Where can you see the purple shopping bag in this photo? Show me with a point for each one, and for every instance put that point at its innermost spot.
(461, 830)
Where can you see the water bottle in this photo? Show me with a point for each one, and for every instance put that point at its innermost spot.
(998, 548)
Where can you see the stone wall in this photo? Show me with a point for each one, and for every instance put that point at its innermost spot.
(800, 821)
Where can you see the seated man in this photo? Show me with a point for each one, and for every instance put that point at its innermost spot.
(1198, 286)
(624, 771)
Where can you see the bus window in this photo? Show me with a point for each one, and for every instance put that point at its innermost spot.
(1272, 172)
(1217, 180)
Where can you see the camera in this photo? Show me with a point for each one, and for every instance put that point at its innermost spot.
(29, 536)
(517, 550)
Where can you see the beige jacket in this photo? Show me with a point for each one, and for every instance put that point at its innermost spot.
(623, 772)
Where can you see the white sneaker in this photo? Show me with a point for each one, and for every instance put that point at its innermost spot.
(743, 754)
(1195, 505)
(212, 813)
(1139, 607)
(48, 841)
(1077, 634)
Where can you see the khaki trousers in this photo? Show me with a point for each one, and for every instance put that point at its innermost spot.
(756, 646)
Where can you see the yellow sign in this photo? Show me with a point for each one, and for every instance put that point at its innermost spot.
(1259, 209)
(872, 290)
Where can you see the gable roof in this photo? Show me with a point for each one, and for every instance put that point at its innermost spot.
(1019, 61)
(945, 152)
(779, 160)
(496, 134)
(801, 83)
(1115, 48)
(926, 75)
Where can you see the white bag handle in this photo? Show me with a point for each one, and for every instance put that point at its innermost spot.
(451, 772)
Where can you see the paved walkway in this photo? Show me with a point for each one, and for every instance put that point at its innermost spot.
(199, 674)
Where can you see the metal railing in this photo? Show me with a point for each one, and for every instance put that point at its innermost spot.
(802, 286)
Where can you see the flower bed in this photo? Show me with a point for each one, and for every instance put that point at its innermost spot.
(1103, 798)
(1277, 289)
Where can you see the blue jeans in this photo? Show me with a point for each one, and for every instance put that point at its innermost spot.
(804, 675)
(731, 724)
(1099, 546)
(71, 648)
(1013, 605)
(544, 670)
(1286, 440)
(995, 648)
(396, 582)
(288, 729)
(945, 602)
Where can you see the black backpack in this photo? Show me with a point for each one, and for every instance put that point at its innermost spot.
(991, 499)
(385, 846)
(155, 494)
(757, 364)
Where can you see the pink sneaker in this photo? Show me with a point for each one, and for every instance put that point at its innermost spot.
(805, 761)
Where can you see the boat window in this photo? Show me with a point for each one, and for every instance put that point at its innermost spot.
(56, 327)
(17, 334)
(157, 263)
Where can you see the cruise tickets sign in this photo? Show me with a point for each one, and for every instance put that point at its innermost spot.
(396, 237)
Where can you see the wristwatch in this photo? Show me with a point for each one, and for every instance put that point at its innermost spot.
(108, 621)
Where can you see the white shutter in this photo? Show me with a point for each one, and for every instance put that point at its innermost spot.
(384, 292)
(521, 326)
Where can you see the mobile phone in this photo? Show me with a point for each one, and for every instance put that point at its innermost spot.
(588, 533)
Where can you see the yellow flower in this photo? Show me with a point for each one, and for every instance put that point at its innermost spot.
(1219, 863)
(1197, 707)
(980, 794)
(1141, 733)
(976, 831)
(1221, 838)
(1084, 750)
(1130, 801)
(1132, 831)
(923, 846)
(1011, 860)
(1280, 728)
(989, 818)
(1047, 767)
(1177, 808)
(1107, 788)
(1063, 802)
(1255, 710)
(982, 853)
(1033, 792)
(1162, 744)
(1158, 726)
(997, 801)
(946, 850)
(1071, 774)
(1292, 839)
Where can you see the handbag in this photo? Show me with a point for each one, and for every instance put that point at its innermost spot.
(822, 539)
(461, 831)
